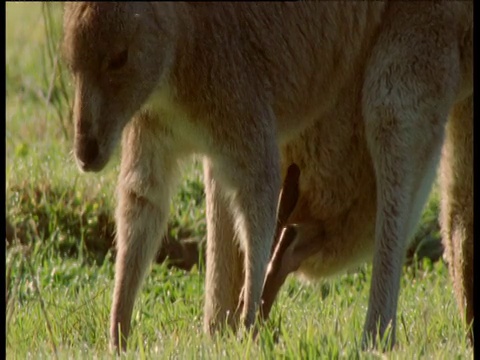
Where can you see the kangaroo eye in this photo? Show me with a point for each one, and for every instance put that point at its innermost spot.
(118, 60)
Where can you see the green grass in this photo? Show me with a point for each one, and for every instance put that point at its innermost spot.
(59, 291)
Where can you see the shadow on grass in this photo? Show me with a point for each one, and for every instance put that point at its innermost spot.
(73, 222)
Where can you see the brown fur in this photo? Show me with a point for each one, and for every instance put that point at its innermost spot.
(359, 90)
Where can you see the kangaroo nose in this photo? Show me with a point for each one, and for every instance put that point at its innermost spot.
(87, 151)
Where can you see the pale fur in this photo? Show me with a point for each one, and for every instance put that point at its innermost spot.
(456, 219)
(252, 86)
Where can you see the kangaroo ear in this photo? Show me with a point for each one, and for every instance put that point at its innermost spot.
(287, 200)
(162, 14)
(137, 21)
(289, 193)
(137, 18)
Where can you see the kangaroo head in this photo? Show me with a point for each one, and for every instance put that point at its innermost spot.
(118, 53)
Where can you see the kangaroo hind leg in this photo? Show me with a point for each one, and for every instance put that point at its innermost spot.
(456, 218)
(409, 88)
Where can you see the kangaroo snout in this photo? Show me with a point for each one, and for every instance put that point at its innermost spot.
(87, 154)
